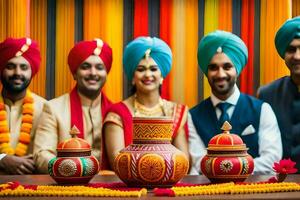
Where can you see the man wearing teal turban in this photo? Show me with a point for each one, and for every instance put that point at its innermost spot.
(146, 62)
(221, 57)
(284, 93)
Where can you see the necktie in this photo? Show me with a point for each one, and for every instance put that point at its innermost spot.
(224, 115)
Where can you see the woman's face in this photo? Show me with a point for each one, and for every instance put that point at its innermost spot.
(147, 76)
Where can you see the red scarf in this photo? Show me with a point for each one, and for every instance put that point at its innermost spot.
(76, 110)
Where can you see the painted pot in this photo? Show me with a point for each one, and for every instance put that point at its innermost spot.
(151, 161)
(227, 158)
(74, 163)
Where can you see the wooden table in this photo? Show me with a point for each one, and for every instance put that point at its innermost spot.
(47, 180)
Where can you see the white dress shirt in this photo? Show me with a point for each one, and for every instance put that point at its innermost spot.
(269, 138)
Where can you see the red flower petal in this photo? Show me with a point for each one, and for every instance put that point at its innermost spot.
(285, 166)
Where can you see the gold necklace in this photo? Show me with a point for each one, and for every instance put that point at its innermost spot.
(142, 111)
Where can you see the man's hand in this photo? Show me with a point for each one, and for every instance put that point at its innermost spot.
(17, 165)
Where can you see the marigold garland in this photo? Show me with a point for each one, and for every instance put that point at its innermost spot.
(229, 188)
(26, 126)
(15, 189)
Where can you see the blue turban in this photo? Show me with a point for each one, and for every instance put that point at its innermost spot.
(134, 52)
(284, 36)
(230, 44)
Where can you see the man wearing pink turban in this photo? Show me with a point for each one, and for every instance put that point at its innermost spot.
(20, 109)
(84, 107)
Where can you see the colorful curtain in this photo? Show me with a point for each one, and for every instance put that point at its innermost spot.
(210, 25)
(273, 14)
(38, 30)
(295, 8)
(165, 33)
(247, 34)
(64, 42)
(180, 23)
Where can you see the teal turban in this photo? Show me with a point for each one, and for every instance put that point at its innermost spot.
(229, 43)
(284, 36)
(134, 52)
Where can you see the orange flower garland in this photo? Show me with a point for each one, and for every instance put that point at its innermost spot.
(13, 189)
(26, 126)
(228, 188)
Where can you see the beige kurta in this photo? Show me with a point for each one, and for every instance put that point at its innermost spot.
(14, 119)
(55, 126)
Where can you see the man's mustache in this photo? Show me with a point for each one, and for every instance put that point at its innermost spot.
(17, 77)
(221, 79)
(94, 78)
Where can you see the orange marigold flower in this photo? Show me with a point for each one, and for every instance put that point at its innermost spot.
(27, 125)
(28, 100)
(22, 146)
(20, 151)
(25, 129)
(28, 105)
(27, 118)
(4, 145)
(3, 112)
(3, 123)
(24, 137)
(4, 137)
(8, 150)
(3, 129)
(28, 111)
(285, 166)
(2, 106)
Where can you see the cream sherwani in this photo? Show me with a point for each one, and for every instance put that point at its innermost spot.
(14, 119)
(55, 126)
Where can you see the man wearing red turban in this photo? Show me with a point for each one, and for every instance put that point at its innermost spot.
(19, 108)
(84, 107)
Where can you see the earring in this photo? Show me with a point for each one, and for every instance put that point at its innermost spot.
(161, 81)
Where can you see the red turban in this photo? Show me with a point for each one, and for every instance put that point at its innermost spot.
(84, 49)
(12, 47)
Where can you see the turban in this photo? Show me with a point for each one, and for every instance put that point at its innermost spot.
(284, 36)
(160, 52)
(25, 47)
(222, 41)
(82, 50)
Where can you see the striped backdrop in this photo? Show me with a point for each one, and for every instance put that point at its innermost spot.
(58, 24)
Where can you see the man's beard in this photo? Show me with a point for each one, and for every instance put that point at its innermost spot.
(12, 88)
(226, 90)
(92, 93)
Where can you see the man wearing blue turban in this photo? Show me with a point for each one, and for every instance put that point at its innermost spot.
(221, 57)
(284, 93)
(146, 62)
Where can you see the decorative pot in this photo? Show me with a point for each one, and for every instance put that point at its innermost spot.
(74, 163)
(227, 158)
(151, 161)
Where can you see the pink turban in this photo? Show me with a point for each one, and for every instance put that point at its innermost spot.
(14, 47)
(84, 49)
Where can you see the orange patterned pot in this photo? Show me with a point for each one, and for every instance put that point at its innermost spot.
(227, 158)
(151, 161)
(74, 163)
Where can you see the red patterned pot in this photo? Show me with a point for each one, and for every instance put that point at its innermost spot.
(74, 163)
(227, 158)
(151, 161)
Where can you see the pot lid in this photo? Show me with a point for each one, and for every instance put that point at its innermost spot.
(226, 141)
(74, 144)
